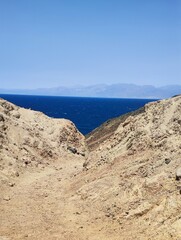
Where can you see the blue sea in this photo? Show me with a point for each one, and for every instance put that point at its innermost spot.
(86, 113)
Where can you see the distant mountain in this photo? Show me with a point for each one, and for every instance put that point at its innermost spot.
(103, 90)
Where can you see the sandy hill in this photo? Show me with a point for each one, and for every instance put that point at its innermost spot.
(123, 181)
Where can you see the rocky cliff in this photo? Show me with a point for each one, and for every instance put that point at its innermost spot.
(123, 181)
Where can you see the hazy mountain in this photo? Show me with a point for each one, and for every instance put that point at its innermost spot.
(103, 90)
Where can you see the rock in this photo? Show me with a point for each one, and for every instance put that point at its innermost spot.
(16, 114)
(7, 198)
(1, 118)
(108, 214)
(77, 213)
(85, 164)
(82, 154)
(26, 162)
(72, 149)
(17, 174)
(178, 174)
(11, 184)
(8, 106)
(167, 160)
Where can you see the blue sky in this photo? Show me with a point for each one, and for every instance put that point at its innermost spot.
(49, 43)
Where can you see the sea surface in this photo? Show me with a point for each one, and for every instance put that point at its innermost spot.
(86, 113)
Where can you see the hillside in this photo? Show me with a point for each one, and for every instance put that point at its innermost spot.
(121, 182)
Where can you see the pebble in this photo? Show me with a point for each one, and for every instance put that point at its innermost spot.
(6, 198)
(11, 184)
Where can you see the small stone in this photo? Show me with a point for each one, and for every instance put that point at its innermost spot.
(77, 213)
(11, 184)
(82, 154)
(85, 164)
(16, 114)
(108, 215)
(27, 162)
(6, 198)
(1, 118)
(167, 160)
(178, 174)
(72, 149)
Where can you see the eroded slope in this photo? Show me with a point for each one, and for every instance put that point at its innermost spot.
(124, 188)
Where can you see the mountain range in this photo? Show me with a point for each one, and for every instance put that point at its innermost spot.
(103, 90)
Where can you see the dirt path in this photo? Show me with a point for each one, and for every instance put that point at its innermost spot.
(35, 206)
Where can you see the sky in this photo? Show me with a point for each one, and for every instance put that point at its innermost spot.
(51, 43)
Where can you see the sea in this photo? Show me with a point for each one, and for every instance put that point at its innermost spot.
(85, 112)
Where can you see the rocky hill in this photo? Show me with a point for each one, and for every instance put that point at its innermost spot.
(123, 181)
(30, 139)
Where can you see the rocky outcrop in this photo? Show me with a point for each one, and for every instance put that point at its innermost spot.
(30, 139)
(142, 154)
(157, 126)
(122, 182)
